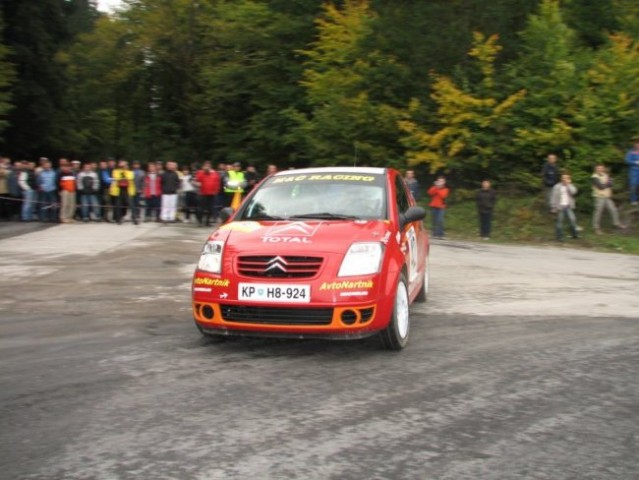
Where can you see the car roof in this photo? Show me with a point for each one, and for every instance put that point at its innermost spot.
(368, 170)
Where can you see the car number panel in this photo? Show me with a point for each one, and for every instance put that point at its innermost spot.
(270, 292)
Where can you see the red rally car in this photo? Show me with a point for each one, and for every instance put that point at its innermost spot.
(338, 252)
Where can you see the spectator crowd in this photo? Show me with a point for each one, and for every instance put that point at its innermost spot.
(559, 191)
(117, 191)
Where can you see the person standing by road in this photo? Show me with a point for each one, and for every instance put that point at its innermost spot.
(67, 188)
(4, 188)
(236, 183)
(188, 194)
(563, 204)
(208, 184)
(138, 181)
(105, 171)
(438, 193)
(170, 183)
(602, 193)
(271, 169)
(152, 193)
(412, 183)
(15, 193)
(123, 190)
(486, 199)
(220, 201)
(48, 192)
(29, 189)
(252, 178)
(88, 185)
(550, 176)
(76, 167)
(632, 160)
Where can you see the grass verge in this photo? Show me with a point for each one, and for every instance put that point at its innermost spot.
(526, 220)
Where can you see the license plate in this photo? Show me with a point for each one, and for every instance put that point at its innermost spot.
(268, 292)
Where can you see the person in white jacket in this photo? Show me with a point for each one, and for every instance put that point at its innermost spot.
(562, 202)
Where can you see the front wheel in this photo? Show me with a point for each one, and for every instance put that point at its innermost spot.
(395, 336)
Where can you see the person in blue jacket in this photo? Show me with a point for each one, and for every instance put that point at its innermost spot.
(632, 160)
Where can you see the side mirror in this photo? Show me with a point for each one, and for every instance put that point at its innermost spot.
(411, 215)
(226, 213)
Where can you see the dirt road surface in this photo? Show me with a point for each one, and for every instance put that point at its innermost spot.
(522, 365)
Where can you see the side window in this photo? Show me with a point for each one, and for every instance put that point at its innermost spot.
(401, 196)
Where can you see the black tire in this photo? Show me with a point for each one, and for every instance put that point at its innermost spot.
(395, 335)
(422, 296)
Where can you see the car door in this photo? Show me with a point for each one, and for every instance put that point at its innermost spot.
(412, 238)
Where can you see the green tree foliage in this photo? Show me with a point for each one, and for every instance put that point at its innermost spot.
(35, 30)
(7, 75)
(133, 78)
(474, 121)
(581, 103)
(102, 68)
(300, 82)
(249, 79)
(549, 70)
(592, 21)
(351, 120)
(627, 15)
(436, 35)
(608, 107)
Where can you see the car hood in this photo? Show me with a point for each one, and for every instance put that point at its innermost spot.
(334, 236)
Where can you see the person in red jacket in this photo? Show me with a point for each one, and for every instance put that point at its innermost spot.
(207, 182)
(438, 193)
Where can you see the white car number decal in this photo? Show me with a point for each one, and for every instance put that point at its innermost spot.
(412, 253)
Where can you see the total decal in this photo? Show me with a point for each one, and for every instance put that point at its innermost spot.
(205, 284)
(294, 232)
(346, 288)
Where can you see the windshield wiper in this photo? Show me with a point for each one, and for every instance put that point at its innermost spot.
(326, 216)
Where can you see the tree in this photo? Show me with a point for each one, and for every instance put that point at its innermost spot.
(34, 32)
(608, 107)
(474, 121)
(436, 35)
(592, 21)
(7, 74)
(249, 77)
(627, 16)
(132, 80)
(549, 70)
(349, 90)
(102, 68)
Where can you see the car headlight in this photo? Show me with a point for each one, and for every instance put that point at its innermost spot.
(211, 257)
(362, 259)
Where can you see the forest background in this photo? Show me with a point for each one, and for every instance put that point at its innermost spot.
(470, 88)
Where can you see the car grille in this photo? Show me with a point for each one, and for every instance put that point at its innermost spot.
(277, 315)
(268, 266)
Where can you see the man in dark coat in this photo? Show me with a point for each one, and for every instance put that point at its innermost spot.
(486, 199)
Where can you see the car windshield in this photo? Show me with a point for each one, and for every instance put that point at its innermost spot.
(299, 197)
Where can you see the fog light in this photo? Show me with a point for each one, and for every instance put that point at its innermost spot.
(349, 317)
(207, 312)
